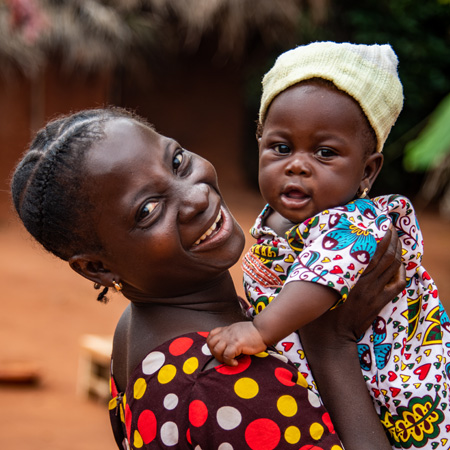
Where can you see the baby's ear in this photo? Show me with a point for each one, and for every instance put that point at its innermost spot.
(91, 267)
(374, 163)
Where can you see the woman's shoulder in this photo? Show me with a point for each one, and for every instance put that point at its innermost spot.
(135, 336)
(120, 348)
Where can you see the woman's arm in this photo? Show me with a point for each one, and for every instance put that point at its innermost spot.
(330, 346)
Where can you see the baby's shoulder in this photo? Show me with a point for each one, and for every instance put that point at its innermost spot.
(394, 202)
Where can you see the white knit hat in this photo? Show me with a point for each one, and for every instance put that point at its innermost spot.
(368, 73)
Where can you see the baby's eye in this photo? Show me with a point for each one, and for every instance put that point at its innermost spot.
(282, 149)
(147, 210)
(177, 161)
(325, 153)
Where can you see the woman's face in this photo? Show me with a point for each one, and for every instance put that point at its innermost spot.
(164, 226)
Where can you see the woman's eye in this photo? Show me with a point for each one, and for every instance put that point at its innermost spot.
(177, 161)
(147, 210)
(325, 153)
(282, 149)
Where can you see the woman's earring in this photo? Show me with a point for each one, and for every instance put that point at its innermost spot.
(97, 286)
(364, 193)
(117, 286)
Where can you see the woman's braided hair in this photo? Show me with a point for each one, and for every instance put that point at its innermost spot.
(47, 183)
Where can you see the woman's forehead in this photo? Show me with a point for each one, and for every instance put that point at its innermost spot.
(125, 142)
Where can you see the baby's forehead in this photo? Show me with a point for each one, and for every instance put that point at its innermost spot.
(315, 87)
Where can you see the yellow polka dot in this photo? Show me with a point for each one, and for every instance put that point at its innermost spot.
(139, 388)
(261, 354)
(122, 408)
(138, 442)
(246, 388)
(167, 373)
(190, 365)
(287, 405)
(292, 435)
(336, 447)
(316, 431)
(302, 380)
(112, 403)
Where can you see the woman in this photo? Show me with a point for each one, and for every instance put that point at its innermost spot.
(131, 209)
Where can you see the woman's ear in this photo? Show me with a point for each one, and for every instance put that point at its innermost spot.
(91, 267)
(372, 168)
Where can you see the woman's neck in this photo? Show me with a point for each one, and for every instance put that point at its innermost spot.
(215, 295)
(214, 304)
(145, 326)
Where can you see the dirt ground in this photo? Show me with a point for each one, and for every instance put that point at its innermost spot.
(46, 308)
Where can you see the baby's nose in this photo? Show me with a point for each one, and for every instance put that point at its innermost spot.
(298, 164)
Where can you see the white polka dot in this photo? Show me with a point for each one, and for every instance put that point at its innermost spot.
(225, 446)
(153, 362)
(313, 399)
(198, 447)
(125, 444)
(228, 417)
(169, 434)
(277, 355)
(206, 350)
(170, 401)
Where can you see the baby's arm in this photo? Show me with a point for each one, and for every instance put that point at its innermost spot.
(298, 303)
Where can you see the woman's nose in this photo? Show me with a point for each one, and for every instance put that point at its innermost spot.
(298, 165)
(194, 201)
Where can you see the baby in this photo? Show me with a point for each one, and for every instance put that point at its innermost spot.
(326, 111)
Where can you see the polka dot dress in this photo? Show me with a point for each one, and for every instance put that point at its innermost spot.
(261, 404)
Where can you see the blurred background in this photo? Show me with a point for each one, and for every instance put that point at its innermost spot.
(193, 68)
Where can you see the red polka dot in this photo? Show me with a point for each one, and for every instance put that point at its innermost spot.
(284, 376)
(146, 426)
(262, 434)
(113, 388)
(243, 364)
(198, 413)
(128, 416)
(188, 436)
(203, 333)
(327, 421)
(180, 346)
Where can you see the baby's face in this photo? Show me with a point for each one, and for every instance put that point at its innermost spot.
(312, 151)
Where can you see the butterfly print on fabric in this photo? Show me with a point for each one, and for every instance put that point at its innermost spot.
(382, 351)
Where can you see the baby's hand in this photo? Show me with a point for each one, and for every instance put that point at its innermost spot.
(226, 343)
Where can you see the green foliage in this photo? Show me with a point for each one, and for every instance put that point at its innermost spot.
(419, 32)
(432, 145)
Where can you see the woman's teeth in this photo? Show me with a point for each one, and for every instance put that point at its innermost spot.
(210, 229)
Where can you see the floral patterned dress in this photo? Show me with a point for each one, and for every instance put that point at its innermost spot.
(405, 354)
(171, 402)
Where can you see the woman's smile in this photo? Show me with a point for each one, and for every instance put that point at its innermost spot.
(214, 228)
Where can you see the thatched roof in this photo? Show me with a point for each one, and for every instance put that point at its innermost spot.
(92, 34)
